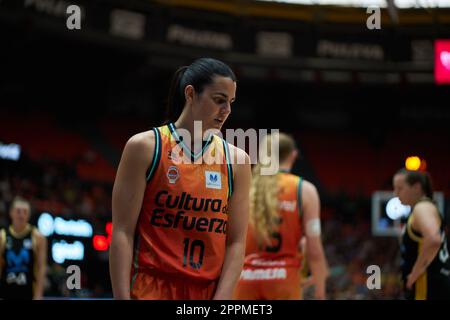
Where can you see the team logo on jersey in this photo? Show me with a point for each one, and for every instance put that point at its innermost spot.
(213, 180)
(18, 262)
(27, 244)
(173, 174)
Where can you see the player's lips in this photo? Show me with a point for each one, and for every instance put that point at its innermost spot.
(219, 120)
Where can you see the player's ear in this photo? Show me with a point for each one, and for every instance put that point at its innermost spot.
(189, 92)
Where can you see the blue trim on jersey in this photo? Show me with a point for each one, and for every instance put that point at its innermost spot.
(157, 155)
(230, 168)
(193, 156)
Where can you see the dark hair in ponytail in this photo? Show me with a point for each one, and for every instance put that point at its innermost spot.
(175, 102)
(413, 177)
(199, 74)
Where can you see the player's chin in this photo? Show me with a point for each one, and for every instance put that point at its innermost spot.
(217, 124)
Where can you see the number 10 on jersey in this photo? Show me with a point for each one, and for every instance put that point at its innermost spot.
(192, 250)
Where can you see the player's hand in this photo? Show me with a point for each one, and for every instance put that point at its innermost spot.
(319, 287)
(410, 280)
(308, 282)
(319, 291)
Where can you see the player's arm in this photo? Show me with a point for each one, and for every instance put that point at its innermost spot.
(238, 211)
(427, 222)
(307, 280)
(314, 249)
(2, 247)
(128, 193)
(41, 270)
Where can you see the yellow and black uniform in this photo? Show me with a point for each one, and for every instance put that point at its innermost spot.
(18, 254)
(273, 271)
(434, 283)
(180, 237)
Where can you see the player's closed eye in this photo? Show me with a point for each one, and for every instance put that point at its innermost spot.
(219, 101)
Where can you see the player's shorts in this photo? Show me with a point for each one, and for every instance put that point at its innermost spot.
(152, 286)
(269, 284)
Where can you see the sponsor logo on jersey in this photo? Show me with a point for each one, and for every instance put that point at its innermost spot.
(160, 218)
(213, 180)
(288, 205)
(267, 263)
(186, 202)
(173, 211)
(17, 262)
(264, 274)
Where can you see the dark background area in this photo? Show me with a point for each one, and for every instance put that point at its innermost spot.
(71, 100)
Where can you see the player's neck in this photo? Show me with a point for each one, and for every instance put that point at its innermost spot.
(196, 137)
(418, 198)
(19, 228)
(285, 167)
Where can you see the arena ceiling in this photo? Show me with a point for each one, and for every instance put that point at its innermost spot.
(367, 3)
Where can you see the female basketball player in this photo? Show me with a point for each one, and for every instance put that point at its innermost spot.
(179, 218)
(425, 258)
(283, 207)
(23, 256)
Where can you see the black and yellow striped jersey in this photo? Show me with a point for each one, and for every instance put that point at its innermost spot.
(435, 282)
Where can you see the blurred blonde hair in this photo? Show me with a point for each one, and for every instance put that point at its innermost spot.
(20, 200)
(264, 188)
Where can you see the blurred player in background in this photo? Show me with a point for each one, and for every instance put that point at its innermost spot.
(180, 226)
(283, 207)
(23, 252)
(425, 257)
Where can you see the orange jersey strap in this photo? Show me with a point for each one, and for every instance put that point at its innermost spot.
(299, 197)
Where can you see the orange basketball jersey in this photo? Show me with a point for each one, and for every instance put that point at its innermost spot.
(283, 250)
(182, 225)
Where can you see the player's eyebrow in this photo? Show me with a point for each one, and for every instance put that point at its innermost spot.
(224, 95)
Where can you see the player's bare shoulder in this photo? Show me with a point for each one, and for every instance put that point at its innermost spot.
(310, 195)
(238, 156)
(141, 146)
(424, 208)
(40, 238)
(142, 140)
(308, 188)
